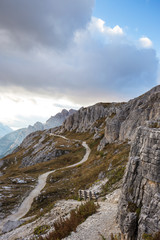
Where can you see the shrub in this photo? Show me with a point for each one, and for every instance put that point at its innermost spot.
(41, 229)
(147, 236)
(116, 237)
(116, 177)
(132, 207)
(103, 238)
(157, 236)
(64, 227)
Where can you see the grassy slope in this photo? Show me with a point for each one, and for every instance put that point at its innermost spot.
(65, 183)
(13, 197)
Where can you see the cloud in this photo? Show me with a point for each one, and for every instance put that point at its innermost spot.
(145, 42)
(50, 23)
(72, 55)
(99, 24)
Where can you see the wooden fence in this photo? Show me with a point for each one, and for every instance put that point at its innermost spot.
(87, 195)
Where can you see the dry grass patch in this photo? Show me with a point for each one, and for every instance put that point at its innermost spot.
(65, 226)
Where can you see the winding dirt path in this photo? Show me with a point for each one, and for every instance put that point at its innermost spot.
(26, 204)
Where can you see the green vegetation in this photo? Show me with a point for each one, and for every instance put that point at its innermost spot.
(66, 183)
(156, 236)
(99, 122)
(41, 229)
(132, 207)
(103, 238)
(116, 237)
(112, 115)
(116, 176)
(64, 227)
(147, 236)
(155, 125)
(30, 174)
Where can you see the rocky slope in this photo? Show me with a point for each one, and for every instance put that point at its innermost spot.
(136, 121)
(84, 119)
(58, 119)
(12, 140)
(4, 130)
(40, 152)
(139, 207)
(121, 119)
(133, 114)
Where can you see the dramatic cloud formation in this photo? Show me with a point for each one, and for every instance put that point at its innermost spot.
(145, 42)
(51, 23)
(58, 50)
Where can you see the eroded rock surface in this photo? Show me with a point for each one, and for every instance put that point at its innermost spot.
(121, 119)
(84, 119)
(139, 207)
(133, 114)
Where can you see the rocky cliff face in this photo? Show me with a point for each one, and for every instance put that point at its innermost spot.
(133, 114)
(121, 118)
(84, 119)
(139, 206)
(39, 147)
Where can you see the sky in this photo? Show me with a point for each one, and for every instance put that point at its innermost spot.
(74, 53)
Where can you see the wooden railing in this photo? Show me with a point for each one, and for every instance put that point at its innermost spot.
(87, 195)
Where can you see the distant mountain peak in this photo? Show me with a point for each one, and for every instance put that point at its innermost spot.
(4, 130)
(12, 140)
(58, 119)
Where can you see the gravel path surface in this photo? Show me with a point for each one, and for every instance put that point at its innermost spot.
(26, 204)
(61, 208)
(103, 222)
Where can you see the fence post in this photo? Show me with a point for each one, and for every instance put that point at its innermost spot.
(90, 195)
(80, 194)
(95, 195)
(85, 195)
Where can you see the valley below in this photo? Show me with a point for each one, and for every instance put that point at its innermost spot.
(110, 151)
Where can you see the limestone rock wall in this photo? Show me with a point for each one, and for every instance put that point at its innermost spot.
(121, 119)
(84, 119)
(139, 206)
(133, 114)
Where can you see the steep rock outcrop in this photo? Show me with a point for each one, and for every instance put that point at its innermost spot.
(39, 147)
(84, 119)
(121, 119)
(132, 115)
(139, 206)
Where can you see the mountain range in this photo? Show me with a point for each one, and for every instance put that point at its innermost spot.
(4, 130)
(124, 152)
(14, 138)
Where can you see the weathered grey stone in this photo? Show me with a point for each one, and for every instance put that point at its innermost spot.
(85, 118)
(133, 114)
(141, 185)
(101, 175)
(10, 225)
(121, 118)
(102, 144)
